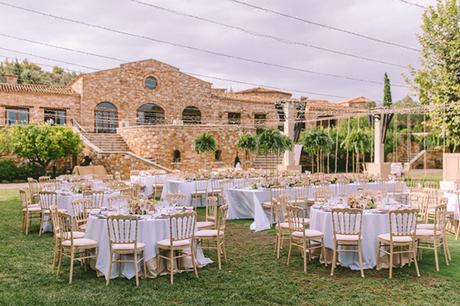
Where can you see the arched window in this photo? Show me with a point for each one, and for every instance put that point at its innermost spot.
(106, 118)
(150, 114)
(218, 155)
(176, 156)
(191, 115)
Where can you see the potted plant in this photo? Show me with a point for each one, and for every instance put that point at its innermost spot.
(205, 143)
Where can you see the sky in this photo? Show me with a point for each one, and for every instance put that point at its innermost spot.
(389, 20)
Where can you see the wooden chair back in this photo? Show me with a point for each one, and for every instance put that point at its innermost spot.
(182, 226)
(123, 229)
(201, 186)
(47, 199)
(296, 217)
(176, 199)
(347, 221)
(117, 202)
(440, 217)
(96, 197)
(403, 222)
(81, 209)
(211, 208)
(222, 219)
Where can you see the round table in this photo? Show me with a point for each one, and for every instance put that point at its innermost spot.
(374, 224)
(150, 231)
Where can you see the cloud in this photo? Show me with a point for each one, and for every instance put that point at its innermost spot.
(390, 20)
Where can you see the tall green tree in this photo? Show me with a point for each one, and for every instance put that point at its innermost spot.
(435, 82)
(40, 144)
(387, 99)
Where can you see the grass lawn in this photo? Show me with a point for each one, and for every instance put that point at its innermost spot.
(252, 276)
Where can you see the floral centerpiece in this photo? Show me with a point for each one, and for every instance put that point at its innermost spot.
(362, 201)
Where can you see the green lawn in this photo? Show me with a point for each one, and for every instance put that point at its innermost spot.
(252, 276)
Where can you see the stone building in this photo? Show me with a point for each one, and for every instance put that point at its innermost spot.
(147, 112)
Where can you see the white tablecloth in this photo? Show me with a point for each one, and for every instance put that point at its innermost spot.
(373, 225)
(150, 232)
(246, 203)
(64, 201)
(452, 204)
(148, 180)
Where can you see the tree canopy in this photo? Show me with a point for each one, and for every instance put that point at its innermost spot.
(30, 73)
(436, 82)
(40, 144)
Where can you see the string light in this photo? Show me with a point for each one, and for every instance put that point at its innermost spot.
(269, 36)
(189, 47)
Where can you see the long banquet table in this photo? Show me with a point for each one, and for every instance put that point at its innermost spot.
(246, 203)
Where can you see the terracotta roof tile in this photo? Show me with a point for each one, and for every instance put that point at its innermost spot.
(35, 88)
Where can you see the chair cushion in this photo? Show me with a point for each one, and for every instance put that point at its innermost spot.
(425, 226)
(309, 233)
(75, 234)
(81, 243)
(427, 232)
(347, 237)
(386, 237)
(267, 205)
(208, 233)
(203, 224)
(283, 225)
(127, 246)
(34, 209)
(166, 243)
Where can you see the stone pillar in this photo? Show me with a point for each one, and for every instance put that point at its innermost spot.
(290, 114)
(378, 168)
(378, 145)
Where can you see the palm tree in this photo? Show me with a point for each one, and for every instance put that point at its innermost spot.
(205, 143)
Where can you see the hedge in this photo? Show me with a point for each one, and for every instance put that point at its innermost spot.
(10, 172)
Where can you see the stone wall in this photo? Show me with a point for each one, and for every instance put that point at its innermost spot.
(124, 87)
(159, 144)
(118, 162)
(36, 103)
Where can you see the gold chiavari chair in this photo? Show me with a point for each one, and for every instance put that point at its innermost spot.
(158, 185)
(116, 202)
(321, 195)
(211, 214)
(306, 240)
(29, 211)
(200, 193)
(347, 225)
(432, 235)
(34, 189)
(81, 209)
(123, 238)
(44, 178)
(96, 197)
(217, 190)
(47, 199)
(76, 248)
(181, 242)
(279, 208)
(402, 237)
(176, 199)
(215, 235)
(275, 193)
(58, 235)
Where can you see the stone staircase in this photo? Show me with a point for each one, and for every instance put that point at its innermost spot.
(107, 142)
(267, 161)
